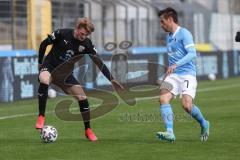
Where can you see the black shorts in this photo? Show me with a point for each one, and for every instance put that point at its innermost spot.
(58, 76)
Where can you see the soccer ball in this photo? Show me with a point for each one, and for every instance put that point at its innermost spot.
(48, 134)
(212, 76)
(52, 93)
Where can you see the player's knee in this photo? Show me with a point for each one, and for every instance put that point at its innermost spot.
(163, 100)
(165, 97)
(44, 78)
(187, 105)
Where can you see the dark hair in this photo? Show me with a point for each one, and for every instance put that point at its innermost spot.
(169, 12)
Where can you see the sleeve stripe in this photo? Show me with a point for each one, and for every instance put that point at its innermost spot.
(190, 45)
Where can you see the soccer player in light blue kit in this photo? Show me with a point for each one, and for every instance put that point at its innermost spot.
(181, 74)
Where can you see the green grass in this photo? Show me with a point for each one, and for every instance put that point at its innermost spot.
(122, 137)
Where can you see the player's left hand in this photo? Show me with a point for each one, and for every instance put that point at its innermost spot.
(116, 85)
(171, 69)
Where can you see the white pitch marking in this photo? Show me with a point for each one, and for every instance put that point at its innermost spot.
(147, 98)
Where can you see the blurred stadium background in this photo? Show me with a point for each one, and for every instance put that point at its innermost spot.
(25, 23)
(128, 132)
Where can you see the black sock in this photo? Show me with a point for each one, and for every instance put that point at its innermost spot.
(85, 111)
(42, 98)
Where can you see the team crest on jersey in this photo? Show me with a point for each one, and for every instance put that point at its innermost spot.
(81, 48)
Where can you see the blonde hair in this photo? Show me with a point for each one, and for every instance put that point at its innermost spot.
(85, 23)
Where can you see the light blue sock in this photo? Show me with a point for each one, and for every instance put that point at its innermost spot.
(167, 116)
(196, 114)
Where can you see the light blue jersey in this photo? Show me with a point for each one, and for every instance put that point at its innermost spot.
(181, 51)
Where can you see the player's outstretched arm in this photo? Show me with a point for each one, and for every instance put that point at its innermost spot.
(117, 86)
(103, 68)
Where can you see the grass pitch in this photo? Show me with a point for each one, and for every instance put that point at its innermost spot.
(128, 132)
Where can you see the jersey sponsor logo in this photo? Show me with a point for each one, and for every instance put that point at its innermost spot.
(68, 55)
(81, 48)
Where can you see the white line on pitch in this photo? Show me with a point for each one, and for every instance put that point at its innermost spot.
(138, 99)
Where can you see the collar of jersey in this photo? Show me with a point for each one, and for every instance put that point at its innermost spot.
(178, 28)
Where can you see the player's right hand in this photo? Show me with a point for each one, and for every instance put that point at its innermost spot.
(116, 85)
(171, 69)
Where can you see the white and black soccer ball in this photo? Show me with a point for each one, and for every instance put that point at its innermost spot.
(48, 134)
(212, 76)
(52, 93)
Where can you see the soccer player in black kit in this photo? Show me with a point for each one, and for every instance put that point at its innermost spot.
(66, 45)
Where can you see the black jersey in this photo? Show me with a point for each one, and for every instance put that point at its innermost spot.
(65, 47)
